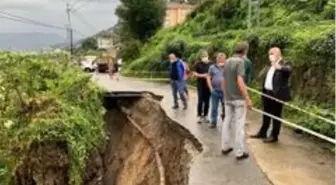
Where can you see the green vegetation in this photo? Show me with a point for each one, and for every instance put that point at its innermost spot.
(142, 18)
(138, 21)
(46, 100)
(90, 44)
(304, 30)
(89, 47)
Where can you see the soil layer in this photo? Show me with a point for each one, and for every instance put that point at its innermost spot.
(143, 147)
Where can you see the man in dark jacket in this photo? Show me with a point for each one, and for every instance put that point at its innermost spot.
(200, 71)
(177, 80)
(275, 85)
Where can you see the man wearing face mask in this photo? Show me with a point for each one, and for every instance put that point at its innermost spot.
(275, 85)
(201, 70)
(177, 80)
(214, 80)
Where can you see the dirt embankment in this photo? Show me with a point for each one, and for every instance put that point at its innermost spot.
(144, 147)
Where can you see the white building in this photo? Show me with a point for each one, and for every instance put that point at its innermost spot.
(104, 43)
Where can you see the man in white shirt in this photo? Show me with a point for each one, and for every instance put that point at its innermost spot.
(275, 85)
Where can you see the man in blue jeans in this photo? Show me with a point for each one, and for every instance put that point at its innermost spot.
(177, 80)
(214, 81)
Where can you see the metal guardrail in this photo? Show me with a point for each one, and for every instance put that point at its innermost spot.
(292, 106)
(288, 123)
(293, 125)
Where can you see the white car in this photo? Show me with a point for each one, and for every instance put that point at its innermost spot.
(88, 66)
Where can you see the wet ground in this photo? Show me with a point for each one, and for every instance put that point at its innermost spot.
(210, 167)
(294, 160)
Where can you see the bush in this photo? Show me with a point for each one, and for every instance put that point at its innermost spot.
(130, 50)
(177, 46)
(323, 50)
(276, 38)
(44, 100)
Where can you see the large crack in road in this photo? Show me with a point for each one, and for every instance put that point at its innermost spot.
(144, 147)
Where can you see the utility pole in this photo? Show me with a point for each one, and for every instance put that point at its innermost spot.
(70, 30)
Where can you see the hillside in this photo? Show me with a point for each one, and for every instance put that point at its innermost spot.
(304, 30)
(28, 40)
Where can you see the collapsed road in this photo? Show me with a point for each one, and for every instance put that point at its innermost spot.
(210, 167)
(295, 160)
(143, 147)
(146, 146)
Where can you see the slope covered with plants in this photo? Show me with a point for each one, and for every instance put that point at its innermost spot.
(304, 30)
(43, 99)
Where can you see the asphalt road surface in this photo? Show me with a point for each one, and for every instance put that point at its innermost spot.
(210, 167)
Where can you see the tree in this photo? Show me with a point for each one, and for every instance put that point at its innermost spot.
(90, 44)
(330, 9)
(141, 18)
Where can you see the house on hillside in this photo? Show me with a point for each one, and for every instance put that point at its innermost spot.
(176, 13)
(104, 43)
(107, 45)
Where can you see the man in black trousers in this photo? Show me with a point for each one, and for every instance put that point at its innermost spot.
(275, 85)
(201, 69)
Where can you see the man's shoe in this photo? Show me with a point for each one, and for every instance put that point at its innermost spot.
(258, 136)
(206, 120)
(175, 107)
(185, 107)
(199, 120)
(225, 152)
(212, 125)
(271, 140)
(244, 156)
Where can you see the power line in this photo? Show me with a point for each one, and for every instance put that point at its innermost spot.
(70, 28)
(81, 5)
(17, 18)
(80, 17)
(72, 9)
(28, 21)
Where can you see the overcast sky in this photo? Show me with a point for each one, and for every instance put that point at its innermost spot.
(98, 13)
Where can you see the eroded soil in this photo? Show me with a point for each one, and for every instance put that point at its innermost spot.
(144, 147)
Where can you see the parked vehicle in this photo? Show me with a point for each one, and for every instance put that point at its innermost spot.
(88, 66)
(103, 63)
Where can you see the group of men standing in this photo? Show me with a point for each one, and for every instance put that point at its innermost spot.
(224, 82)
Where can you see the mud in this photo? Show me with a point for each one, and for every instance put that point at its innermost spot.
(144, 147)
